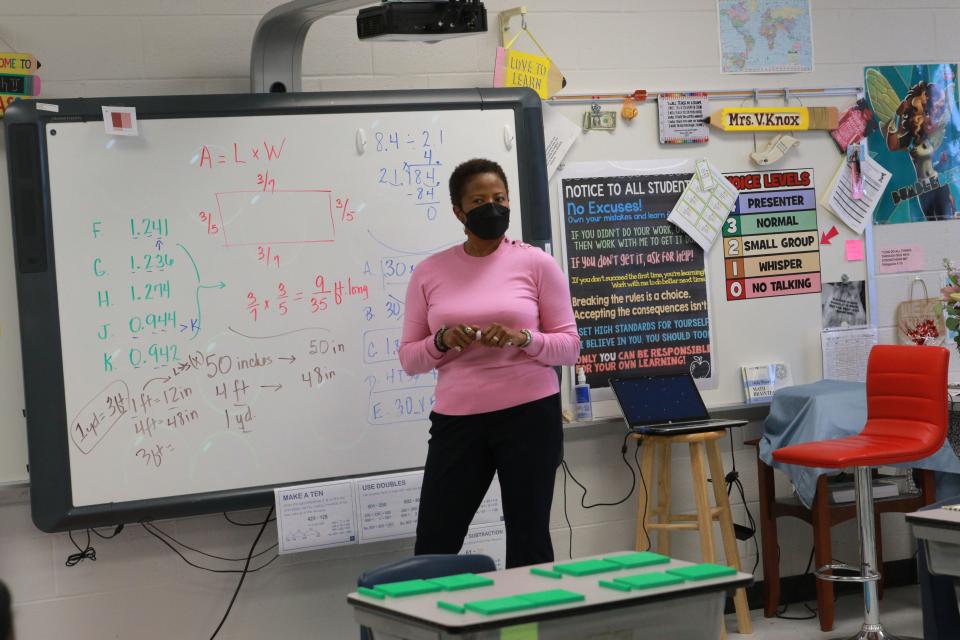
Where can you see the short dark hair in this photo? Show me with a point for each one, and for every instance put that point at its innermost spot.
(462, 174)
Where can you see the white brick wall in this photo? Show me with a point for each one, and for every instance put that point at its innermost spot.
(137, 588)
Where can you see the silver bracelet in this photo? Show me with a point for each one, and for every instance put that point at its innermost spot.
(526, 343)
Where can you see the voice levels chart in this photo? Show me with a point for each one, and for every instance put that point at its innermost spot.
(770, 241)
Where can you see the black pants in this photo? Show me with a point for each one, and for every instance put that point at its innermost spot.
(523, 445)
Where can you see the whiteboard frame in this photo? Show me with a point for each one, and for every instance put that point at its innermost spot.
(38, 305)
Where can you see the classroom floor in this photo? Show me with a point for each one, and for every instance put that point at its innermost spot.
(899, 613)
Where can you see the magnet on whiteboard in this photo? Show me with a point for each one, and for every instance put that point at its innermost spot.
(508, 137)
(361, 141)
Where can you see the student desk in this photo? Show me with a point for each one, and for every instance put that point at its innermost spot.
(939, 531)
(692, 609)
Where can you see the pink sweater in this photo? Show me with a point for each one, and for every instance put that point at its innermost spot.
(519, 286)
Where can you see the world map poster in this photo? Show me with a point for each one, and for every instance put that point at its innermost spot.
(765, 36)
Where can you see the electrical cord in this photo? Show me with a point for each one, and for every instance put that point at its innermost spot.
(813, 611)
(242, 524)
(148, 527)
(733, 480)
(116, 532)
(243, 575)
(88, 552)
(204, 553)
(583, 497)
(85, 553)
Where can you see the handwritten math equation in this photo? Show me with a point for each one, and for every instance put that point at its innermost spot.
(412, 167)
(317, 299)
(204, 390)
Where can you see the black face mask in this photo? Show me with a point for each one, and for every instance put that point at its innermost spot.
(488, 221)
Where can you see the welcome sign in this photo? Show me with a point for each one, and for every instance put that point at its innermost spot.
(17, 78)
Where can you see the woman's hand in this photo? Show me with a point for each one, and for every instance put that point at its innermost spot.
(497, 335)
(460, 337)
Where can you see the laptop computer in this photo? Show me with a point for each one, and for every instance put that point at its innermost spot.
(665, 404)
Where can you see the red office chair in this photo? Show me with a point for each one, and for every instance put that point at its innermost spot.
(906, 421)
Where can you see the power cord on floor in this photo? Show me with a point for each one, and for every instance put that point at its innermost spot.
(583, 497)
(813, 611)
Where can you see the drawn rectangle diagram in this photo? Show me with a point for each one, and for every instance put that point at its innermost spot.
(276, 217)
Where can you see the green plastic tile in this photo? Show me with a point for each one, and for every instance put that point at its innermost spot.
(649, 580)
(552, 597)
(703, 571)
(586, 567)
(641, 559)
(546, 573)
(449, 606)
(461, 581)
(370, 593)
(607, 584)
(494, 606)
(407, 588)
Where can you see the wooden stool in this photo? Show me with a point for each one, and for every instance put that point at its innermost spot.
(703, 448)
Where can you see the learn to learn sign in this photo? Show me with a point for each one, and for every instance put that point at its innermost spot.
(637, 282)
(771, 245)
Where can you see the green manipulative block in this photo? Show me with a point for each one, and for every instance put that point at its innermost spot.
(546, 573)
(618, 586)
(371, 593)
(640, 559)
(449, 606)
(649, 580)
(586, 567)
(552, 597)
(494, 606)
(407, 588)
(461, 581)
(704, 571)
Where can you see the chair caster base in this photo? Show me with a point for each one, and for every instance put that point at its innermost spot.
(875, 632)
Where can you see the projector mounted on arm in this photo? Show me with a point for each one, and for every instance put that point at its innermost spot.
(277, 54)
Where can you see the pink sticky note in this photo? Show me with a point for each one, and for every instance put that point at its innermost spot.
(897, 259)
(854, 250)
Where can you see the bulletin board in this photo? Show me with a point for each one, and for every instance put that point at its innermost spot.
(781, 328)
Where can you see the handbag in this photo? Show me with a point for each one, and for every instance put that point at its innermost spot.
(917, 319)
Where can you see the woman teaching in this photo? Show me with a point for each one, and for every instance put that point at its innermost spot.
(494, 317)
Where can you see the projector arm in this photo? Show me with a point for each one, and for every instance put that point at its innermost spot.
(277, 54)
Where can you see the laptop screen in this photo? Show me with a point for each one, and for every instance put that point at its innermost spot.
(659, 399)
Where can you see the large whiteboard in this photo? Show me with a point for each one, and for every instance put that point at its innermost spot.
(231, 292)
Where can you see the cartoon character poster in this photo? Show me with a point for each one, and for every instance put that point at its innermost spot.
(917, 139)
